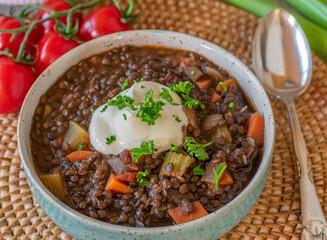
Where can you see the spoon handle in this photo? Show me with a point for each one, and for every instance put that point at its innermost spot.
(313, 220)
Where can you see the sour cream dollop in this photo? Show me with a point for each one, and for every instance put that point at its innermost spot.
(130, 133)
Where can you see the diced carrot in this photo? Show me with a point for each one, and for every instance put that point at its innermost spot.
(225, 179)
(255, 127)
(133, 166)
(251, 150)
(127, 177)
(179, 217)
(215, 97)
(203, 83)
(79, 155)
(227, 83)
(117, 186)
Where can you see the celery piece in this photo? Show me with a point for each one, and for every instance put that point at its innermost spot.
(54, 184)
(222, 131)
(180, 162)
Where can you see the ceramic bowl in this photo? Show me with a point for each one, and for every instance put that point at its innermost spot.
(209, 227)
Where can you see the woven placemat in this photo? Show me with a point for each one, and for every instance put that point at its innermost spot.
(276, 214)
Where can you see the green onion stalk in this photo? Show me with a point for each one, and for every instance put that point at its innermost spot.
(317, 36)
(27, 11)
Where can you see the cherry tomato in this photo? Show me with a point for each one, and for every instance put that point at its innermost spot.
(15, 81)
(51, 46)
(101, 22)
(12, 23)
(57, 5)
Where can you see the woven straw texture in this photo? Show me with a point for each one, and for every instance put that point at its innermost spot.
(276, 214)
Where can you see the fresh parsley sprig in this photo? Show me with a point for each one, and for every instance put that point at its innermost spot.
(141, 178)
(198, 171)
(184, 88)
(191, 103)
(173, 148)
(196, 149)
(149, 110)
(177, 119)
(165, 94)
(145, 148)
(120, 102)
(219, 173)
(111, 139)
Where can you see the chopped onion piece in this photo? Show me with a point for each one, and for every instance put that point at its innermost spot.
(76, 135)
(213, 73)
(117, 165)
(211, 122)
(191, 117)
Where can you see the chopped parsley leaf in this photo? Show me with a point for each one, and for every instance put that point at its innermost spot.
(173, 148)
(177, 119)
(218, 173)
(191, 103)
(111, 139)
(120, 102)
(222, 84)
(104, 108)
(231, 105)
(124, 115)
(142, 86)
(92, 110)
(130, 186)
(149, 110)
(80, 146)
(166, 95)
(196, 149)
(124, 85)
(138, 80)
(182, 87)
(192, 72)
(141, 178)
(198, 171)
(145, 148)
(201, 116)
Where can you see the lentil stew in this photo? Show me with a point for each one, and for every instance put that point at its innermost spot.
(220, 153)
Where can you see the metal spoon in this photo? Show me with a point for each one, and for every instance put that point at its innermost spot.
(282, 61)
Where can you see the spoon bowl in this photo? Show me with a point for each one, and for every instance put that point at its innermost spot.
(282, 55)
(282, 61)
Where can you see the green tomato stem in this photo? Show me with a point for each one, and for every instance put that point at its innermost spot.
(29, 28)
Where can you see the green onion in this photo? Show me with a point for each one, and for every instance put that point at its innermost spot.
(218, 173)
(223, 85)
(316, 35)
(315, 10)
(231, 105)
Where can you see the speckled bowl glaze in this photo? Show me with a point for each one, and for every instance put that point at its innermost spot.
(211, 226)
